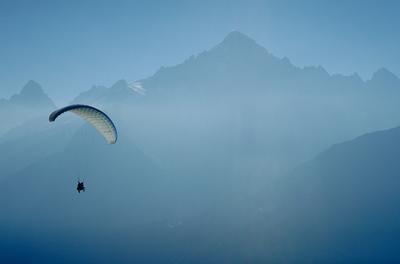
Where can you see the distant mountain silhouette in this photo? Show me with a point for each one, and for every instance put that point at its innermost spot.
(92, 95)
(239, 63)
(120, 93)
(30, 103)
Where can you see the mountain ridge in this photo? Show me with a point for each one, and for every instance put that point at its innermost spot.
(239, 60)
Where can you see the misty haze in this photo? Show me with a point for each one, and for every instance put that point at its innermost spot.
(197, 143)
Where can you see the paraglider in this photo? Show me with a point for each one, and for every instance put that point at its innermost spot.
(94, 116)
(98, 119)
(80, 187)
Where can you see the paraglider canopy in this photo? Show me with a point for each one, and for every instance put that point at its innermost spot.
(93, 116)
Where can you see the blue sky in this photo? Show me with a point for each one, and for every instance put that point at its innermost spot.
(68, 46)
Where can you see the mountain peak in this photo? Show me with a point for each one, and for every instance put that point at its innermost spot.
(386, 78)
(237, 36)
(120, 91)
(32, 95)
(238, 40)
(121, 84)
(31, 88)
(383, 72)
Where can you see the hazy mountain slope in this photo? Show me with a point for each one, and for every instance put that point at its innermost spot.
(119, 178)
(127, 196)
(345, 202)
(33, 141)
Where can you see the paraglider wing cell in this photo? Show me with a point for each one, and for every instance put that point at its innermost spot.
(92, 115)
